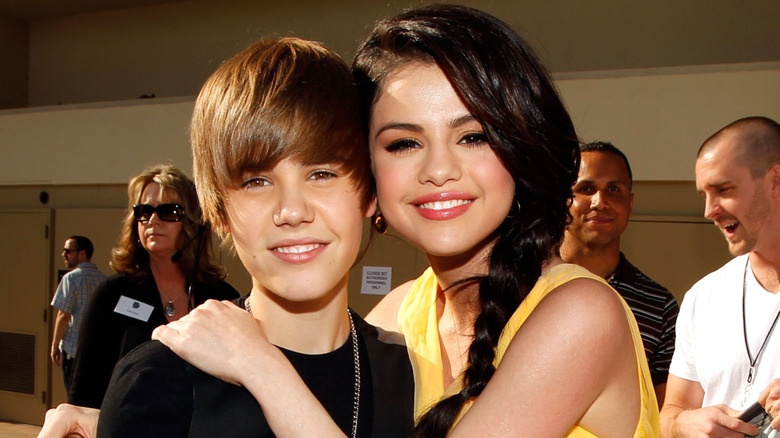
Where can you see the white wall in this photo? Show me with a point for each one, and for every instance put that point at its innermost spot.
(92, 145)
(658, 120)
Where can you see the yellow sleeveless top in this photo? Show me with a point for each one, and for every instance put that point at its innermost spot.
(418, 323)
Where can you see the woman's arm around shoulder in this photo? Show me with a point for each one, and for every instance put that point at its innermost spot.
(225, 341)
(571, 363)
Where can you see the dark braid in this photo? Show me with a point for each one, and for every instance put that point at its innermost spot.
(505, 86)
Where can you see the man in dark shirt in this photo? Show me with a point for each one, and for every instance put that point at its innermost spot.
(603, 200)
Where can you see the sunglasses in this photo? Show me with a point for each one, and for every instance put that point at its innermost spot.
(166, 212)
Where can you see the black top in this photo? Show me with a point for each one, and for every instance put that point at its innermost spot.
(105, 336)
(154, 393)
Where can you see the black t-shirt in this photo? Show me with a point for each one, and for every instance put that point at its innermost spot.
(151, 395)
(331, 378)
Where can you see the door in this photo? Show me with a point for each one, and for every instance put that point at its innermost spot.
(24, 284)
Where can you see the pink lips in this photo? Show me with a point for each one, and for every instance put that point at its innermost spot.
(298, 250)
(443, 206)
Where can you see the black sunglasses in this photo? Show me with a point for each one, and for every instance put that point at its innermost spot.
(166, 212)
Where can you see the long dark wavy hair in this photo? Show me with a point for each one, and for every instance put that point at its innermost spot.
(505, 86)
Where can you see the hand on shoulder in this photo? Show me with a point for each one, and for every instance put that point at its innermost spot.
(217, 337)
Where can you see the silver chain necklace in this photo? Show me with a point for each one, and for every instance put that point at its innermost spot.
(751, 359)
(356, 362)
(170, 310)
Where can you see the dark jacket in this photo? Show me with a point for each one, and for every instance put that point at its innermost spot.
(106, 336)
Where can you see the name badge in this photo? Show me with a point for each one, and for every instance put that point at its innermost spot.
(133, 308)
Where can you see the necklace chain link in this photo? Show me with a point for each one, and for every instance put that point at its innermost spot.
(355, 361)
(169, 309)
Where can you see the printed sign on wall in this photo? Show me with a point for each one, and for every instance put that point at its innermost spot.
(376, 280)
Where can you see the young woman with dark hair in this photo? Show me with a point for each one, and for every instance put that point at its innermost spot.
(474, 156)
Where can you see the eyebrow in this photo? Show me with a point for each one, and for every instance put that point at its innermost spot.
(613, 181)
(716, 185)
(460, 121)
(454, 123)
(400, 126)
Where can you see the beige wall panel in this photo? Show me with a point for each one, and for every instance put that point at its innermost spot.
(24, 291)
(675, 252)
(100, 225)
(237, 275)
(387, 250)
(115, 143)
(660, 121)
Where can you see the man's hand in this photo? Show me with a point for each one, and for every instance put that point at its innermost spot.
(69, 421)
(712, 421)
(56, 355)
(682, 415)
(770, 400)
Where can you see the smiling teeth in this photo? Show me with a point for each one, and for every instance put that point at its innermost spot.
(730, 228)
(443, 205)
(297, 249)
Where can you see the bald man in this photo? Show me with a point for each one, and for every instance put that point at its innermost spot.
(728, 344)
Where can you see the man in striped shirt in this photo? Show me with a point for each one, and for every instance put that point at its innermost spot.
(603, 200)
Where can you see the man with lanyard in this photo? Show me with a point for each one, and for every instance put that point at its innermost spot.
(728, 345)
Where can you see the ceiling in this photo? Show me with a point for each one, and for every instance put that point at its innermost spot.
(36, 9)
(621, 34)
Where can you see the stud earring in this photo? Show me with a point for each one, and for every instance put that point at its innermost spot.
(380, 224)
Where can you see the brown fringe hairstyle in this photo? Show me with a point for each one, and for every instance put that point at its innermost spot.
(278, 98)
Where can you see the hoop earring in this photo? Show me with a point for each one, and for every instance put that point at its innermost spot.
(514, 211)
(380, 224)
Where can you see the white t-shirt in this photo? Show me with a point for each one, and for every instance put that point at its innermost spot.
(710, 346)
